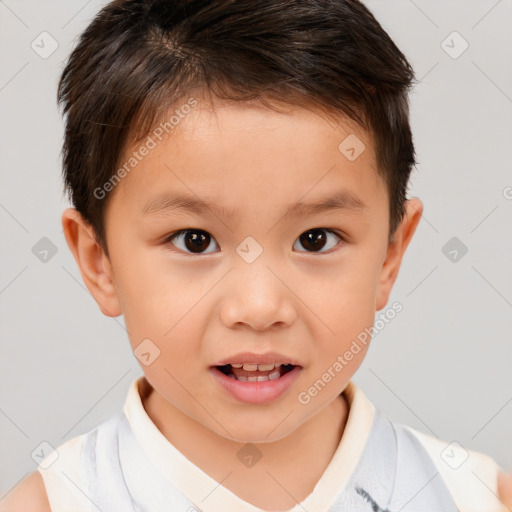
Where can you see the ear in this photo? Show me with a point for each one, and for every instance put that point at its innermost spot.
(396, 250)
(91, 260)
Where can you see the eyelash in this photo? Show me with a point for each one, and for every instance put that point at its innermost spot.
(176, 234)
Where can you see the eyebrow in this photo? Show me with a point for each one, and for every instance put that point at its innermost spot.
(165, 203)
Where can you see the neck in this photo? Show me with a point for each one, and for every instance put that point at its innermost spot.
(288, 469)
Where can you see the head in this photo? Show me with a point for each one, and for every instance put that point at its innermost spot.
(199, 138)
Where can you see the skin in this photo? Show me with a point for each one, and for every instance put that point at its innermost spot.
(257, 162)
(201, 308)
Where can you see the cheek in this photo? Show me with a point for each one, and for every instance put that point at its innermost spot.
(169, 354)
(151, 292)
(163, 317)
(346, 307)
(347, 301)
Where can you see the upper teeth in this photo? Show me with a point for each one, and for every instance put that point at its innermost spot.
(253, 367)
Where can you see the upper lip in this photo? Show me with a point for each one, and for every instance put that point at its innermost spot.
(252, 358)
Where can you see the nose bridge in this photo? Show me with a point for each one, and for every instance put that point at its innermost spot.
(254, 293)
(252, 269)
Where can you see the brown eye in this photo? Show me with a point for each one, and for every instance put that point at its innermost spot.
(195, 241)
(314, 240)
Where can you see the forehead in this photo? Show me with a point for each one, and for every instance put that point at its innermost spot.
(241, 154)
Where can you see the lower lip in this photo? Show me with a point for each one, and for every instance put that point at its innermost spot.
(257, 392)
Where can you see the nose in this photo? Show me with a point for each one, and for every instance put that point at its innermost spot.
(255, 295)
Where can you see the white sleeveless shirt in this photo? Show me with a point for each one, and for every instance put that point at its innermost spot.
(126, 464)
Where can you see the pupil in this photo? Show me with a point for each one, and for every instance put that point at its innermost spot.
(314, 239)
(197, 240)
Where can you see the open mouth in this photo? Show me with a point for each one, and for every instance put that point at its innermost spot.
(255, 373)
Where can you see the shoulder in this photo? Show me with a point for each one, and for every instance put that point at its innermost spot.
(474, 479)
(505, 488)
(29, 494)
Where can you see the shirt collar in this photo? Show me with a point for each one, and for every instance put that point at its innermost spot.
(195, 484)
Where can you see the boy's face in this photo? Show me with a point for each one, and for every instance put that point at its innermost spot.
(247, 277)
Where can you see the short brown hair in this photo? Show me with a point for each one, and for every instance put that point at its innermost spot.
(137, 58)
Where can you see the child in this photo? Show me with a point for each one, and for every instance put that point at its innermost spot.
(209, 146)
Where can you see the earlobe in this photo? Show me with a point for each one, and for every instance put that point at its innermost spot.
(92, 262)
(396, 250)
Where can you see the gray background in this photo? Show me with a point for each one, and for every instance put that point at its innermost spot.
(443, 365)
